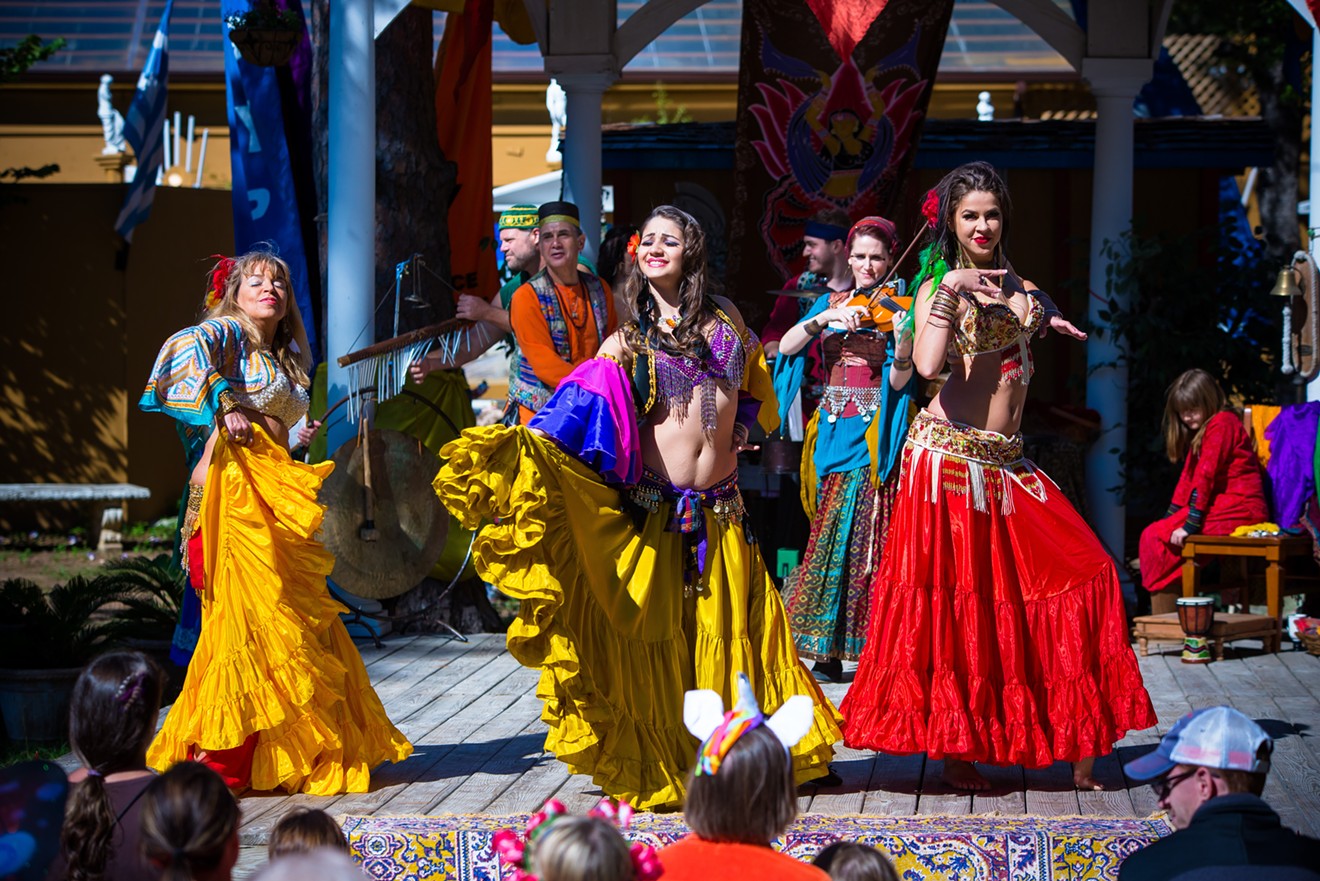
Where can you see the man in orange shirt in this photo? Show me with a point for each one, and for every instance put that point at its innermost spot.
(560, 316)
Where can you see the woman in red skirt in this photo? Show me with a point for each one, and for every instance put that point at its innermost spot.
(998, 633)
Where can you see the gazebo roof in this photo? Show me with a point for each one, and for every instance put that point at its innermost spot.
(113, 36)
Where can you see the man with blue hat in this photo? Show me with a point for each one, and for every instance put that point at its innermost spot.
(1208, 773)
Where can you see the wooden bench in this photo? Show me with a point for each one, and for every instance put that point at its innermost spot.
(110, 500)
(1226, 628)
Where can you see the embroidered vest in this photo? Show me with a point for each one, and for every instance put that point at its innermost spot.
(525, 388)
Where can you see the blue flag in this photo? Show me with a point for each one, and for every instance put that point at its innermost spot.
(144, 129)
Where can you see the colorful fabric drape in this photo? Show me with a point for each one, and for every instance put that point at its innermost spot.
(831, 96)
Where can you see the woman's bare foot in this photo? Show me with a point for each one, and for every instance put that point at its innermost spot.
(963, 776)
(1082, 778)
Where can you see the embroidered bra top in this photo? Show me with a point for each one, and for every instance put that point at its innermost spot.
(279, 398)
(990, 327)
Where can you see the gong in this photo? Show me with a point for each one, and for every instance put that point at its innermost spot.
(383, 521)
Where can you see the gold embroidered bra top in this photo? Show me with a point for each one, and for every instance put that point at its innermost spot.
(990, 327)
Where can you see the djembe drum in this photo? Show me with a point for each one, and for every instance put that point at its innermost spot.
(1196, 616)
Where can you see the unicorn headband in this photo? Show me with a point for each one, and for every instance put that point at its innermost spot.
(704, 716)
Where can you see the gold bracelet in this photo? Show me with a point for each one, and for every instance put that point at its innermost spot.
(228, 403)
(813, 327)
(902, 363)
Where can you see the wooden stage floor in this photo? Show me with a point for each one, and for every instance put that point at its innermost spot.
(471, 713)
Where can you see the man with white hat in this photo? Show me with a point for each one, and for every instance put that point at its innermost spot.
(1208, 773)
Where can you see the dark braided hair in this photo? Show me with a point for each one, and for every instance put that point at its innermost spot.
(696, 304)
(112, 717)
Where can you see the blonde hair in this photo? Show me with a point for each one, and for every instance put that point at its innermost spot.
(583, 849)
(1192, 390)
(303, 830)
(289, 345)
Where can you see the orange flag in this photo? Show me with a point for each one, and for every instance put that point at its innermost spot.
(463, 125)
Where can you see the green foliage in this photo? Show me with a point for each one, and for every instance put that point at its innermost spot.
(15, 61)
(665, 112)
(1188, 305)
(150, 592)
(56, 629)
(266, 16)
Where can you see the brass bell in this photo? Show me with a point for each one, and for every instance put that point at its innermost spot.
(1286, 286)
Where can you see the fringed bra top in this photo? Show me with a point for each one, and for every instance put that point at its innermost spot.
(989, 327)
(673, 379)
(280, 398)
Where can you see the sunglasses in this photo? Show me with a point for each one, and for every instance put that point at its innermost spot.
(1165, 785)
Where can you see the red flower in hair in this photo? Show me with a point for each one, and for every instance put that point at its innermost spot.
(219, 279)
(633, 244)
(930, 208)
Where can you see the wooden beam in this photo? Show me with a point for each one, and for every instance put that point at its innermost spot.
(1052, 25)
(647, 23)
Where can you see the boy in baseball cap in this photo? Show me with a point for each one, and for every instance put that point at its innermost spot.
(1208, 773)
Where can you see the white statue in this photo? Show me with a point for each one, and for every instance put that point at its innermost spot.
(112, 122)
(556, 101)
(985, 111)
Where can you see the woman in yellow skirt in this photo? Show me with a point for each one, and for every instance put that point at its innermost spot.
(276, 695)
(615, 517)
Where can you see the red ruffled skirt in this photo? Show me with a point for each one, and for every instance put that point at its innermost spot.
(997, 630)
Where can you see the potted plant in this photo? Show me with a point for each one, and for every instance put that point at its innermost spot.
(47, 638)
(149, 596)
(266, 34)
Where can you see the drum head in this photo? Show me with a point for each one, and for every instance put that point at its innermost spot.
(410, 523)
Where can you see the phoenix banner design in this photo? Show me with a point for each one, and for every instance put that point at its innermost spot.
(831, 97)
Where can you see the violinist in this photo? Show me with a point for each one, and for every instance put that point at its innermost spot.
(851, 448)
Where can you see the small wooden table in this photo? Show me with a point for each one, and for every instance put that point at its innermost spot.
(1226, 628)
(1274, 550)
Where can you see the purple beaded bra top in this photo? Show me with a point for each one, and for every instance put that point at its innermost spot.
(677, 377)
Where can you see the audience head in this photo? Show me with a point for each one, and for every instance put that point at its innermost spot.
(741, 789)
(613, 257)
(303, 830)
(560, 847)
(823, 241)
(112, 717)
(854, 861)
(325, 864)
(1207, 753)
(1189, 402)
(518, 237)
(190, 824)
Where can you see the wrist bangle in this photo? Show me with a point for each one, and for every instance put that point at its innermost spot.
(812, 327)
(228, 403)
(902, 363)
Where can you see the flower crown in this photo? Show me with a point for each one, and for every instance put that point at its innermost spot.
(517, 850)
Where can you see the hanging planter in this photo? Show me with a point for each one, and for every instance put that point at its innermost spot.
(265, 47)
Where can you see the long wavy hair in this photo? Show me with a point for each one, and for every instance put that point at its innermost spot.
(289, 345)
(1193, 390)
(696, 304)
(112, 717)
(943, 250)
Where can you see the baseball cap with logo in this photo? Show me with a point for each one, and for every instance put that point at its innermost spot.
(1215, 737)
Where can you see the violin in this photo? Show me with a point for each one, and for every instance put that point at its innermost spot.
(881, 301)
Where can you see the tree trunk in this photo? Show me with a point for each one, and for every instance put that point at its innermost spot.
(414, 181)
(1277, 191)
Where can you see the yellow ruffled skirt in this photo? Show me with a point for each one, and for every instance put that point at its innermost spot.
(604, 617)
(273, 658)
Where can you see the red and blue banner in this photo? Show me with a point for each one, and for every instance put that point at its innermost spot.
(831, 97)
(268, 106)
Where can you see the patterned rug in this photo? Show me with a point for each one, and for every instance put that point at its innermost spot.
(456, 847)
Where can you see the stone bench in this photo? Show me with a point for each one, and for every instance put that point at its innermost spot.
(110, 501)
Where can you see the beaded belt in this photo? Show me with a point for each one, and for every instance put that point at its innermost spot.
(689, 518)
(190, 516)
(963, 441)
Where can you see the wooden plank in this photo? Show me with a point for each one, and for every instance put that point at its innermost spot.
(543, 779)
(1050, 791)
(1009, 792)
(389, 645)
(1112, 801)
(513, 743)
(938, 798)
(895, 785)
(1304, 668)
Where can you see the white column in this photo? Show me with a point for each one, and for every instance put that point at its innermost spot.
(582, 159)
(351, 221)
(1115, 83)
